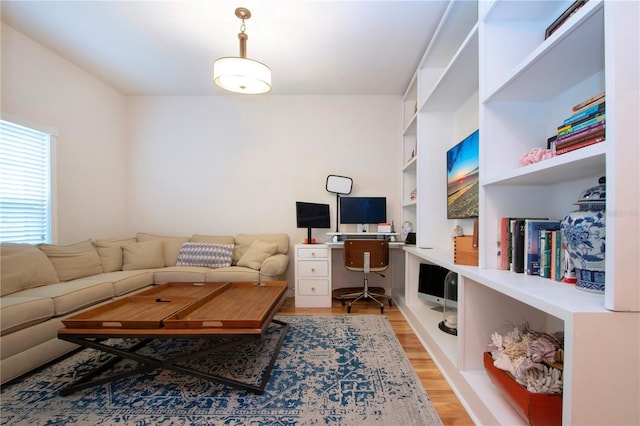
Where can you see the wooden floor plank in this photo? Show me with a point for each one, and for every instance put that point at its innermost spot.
(444, 400)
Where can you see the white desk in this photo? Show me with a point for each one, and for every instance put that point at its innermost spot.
(319, 268)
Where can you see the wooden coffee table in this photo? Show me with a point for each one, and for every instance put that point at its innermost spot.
(230, 314)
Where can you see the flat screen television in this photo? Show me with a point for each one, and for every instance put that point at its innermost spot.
(462, 178)
(431, 286)
(312, 215)
(363, 210)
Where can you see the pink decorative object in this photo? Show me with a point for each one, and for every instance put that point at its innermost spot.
(535, 155)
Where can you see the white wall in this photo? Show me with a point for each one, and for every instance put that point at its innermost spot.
(40, 87)
(231, 164)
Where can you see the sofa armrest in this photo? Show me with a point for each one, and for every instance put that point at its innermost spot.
(275, 265)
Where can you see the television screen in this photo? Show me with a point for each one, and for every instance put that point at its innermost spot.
(363, 210)
(312, 215)
(462, 178)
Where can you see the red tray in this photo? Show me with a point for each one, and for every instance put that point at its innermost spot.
(535, 408)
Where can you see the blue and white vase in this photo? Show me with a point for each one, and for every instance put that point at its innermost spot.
(583, 232)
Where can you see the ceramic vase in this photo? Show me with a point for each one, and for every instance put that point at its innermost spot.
(583, 233)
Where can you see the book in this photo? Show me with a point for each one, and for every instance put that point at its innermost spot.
(569, 12)
(599, 131)
(591, 110)
(504, 252)
(568, 126)
(532, 228)
(517, 245)
(552, 257)
(545, 253)
(579, 136)
(588, 101)
(583, 126)
(505, 243)
(590, 104)
(557, 256)
(579, 145)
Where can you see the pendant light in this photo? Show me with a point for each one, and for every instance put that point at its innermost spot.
(241, 74)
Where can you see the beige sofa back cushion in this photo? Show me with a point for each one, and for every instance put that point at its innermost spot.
(110, 252)
(143, 255)
(24, 266)
(213, 239)
(244, 241)
(257, 253)
(74, 260)
(170, 245)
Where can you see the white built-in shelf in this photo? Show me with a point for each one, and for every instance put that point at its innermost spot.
(411, 164)
(581, 163)
(578, 41)
(411, 126)
(459, 80)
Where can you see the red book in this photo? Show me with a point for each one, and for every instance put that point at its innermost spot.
(504, 246)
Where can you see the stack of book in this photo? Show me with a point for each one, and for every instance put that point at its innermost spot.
(532, 246)
(586, 126)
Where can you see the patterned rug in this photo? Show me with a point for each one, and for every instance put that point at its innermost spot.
(337, 370)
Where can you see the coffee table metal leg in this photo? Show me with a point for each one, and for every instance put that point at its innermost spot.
(147, 363)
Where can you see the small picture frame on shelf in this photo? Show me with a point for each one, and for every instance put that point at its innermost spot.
(571, 10)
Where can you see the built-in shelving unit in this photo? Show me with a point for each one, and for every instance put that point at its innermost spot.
(490, 67)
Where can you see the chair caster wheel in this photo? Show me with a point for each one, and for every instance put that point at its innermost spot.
(349, 309)
(382, 309)
(390, 303)
(342, 301)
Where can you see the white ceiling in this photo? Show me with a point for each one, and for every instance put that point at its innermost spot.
(168, 47)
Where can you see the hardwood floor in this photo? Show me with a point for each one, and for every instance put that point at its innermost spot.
(446, 403)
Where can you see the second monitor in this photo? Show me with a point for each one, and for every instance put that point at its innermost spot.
(363, 210)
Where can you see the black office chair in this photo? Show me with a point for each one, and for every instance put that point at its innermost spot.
(366, 256)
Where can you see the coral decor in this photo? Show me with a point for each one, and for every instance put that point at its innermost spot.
(535, 155)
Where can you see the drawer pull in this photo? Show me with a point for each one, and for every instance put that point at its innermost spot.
(313, 288)
(313, 269)
(313, 253)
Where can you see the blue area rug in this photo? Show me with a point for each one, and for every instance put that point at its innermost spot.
(337, 370)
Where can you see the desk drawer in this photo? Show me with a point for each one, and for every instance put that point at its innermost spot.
(311, 268)
(313, 253)
(313, 287)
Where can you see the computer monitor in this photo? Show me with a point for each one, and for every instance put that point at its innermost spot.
(312, 215)
(363, 210)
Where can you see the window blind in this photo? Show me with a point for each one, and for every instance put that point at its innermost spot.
(25, 200)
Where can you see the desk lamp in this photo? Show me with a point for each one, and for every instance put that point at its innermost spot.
(339, 185)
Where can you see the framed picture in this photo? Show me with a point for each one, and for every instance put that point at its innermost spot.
(575, 6)
(463, 178)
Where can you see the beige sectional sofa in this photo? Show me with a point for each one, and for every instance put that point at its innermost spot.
(41, 285)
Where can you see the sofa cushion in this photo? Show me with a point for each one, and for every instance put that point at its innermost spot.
(17, 312)
(257, 253)
(173, 274)
(214, 239)
(243, 242)
(205, 254)
(24, 266)
(74, 260)
(144, 255)
(127, 281)
(232, 274)
(170, 245)
(73, 295)
(110, 252)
